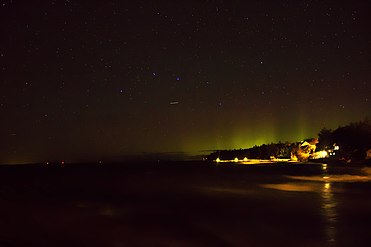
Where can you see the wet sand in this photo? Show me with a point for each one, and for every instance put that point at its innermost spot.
(184, 204)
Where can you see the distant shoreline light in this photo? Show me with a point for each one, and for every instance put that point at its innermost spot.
(253, 161)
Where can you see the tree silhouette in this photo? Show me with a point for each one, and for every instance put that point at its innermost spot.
(325, 139)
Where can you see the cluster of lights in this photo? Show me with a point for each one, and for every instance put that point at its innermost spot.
(234, 160)
(332, 152)
(320, 155)
(324, 154)
(251, 161)
(317, 155)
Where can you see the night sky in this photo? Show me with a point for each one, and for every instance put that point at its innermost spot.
(92, 80)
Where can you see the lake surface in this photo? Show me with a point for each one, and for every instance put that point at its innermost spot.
(185, 204)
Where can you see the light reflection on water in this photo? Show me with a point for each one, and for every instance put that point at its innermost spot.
(324, 186)
(347, 178)
(294, 187)
(328, 208)
(328, 201)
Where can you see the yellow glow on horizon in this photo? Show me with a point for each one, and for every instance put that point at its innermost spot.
(231, 133)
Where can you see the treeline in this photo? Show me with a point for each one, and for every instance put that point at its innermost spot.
(353, 143)
(265, 151)
(354, 140)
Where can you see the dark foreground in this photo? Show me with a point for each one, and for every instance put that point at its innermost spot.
(184, 204)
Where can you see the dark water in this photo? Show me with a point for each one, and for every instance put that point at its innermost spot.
(185, 204)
